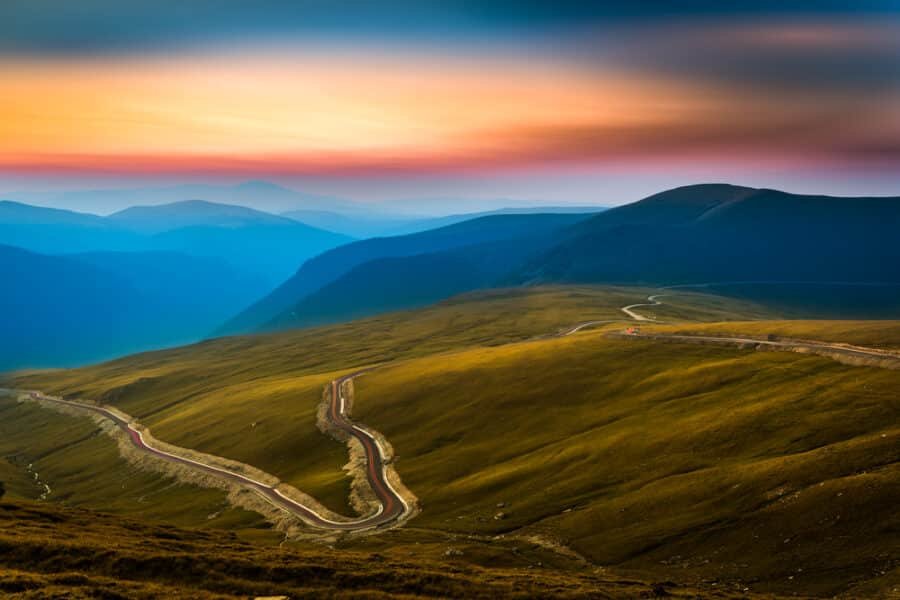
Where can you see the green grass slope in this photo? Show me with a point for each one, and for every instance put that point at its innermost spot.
(48, 552)
(775, 469)
(883, 335)
(254, 399)
(83, 468)
(772, 471)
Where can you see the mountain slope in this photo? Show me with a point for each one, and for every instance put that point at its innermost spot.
(263, 195)
(771, 471)
(56, 552)
(695, 234)
(16, 213)
(355, 225)
(207, 395)
(53, 309)
(63, 310)
(712, 233)
(272, 252)
(191, 294)
(776, 469)
(390, 284)
(188, 213)
(54, 231)
(270, 246)
(380, 225)
(144, 278)
(330, 266)
(265, 245)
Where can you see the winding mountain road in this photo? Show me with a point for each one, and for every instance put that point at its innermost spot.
(651, 301)
(581, 326)
(392, 506)
(884, 359)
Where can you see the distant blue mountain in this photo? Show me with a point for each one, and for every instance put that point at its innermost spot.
(365, 225)
(16, 213)
(190, 293)
(66, 310)
(333, 265)
(80, 287)
(725, 233)
(696, 234)
(266, 246)
(271, 252)
(192, 213)
(57, 311)
(401, 282)
(269, 246)
(263, 195)
(55, 231)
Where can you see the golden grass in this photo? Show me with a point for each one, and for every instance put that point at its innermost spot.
(47, 552)
(83, 468)
(874, 334)
(254, 398)
(689, 460)
(686, 462)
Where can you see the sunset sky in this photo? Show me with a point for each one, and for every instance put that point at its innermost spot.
(551, 102)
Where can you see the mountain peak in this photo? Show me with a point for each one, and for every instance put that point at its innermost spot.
(701, 193)
(192, 206)
(186, 213)
(21, 213)
(676, 206)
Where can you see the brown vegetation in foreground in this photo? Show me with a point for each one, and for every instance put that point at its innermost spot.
(48, 551)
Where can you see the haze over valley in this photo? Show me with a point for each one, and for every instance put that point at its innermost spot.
(410, 299)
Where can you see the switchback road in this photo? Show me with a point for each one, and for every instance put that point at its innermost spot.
(392, 506)
(871, 356)
(863, 355)
(651, 301)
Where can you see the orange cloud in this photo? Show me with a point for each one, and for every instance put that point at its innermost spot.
(283, 112)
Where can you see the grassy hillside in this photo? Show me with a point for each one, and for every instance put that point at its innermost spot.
(47, 552)
(772, 471)
(766, 467)
(18, 483)
(253, 399)
(83, 468)
(884, 335)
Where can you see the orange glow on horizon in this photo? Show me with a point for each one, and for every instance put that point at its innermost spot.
(270, 112)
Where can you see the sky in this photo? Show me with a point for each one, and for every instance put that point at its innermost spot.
(522, 102)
